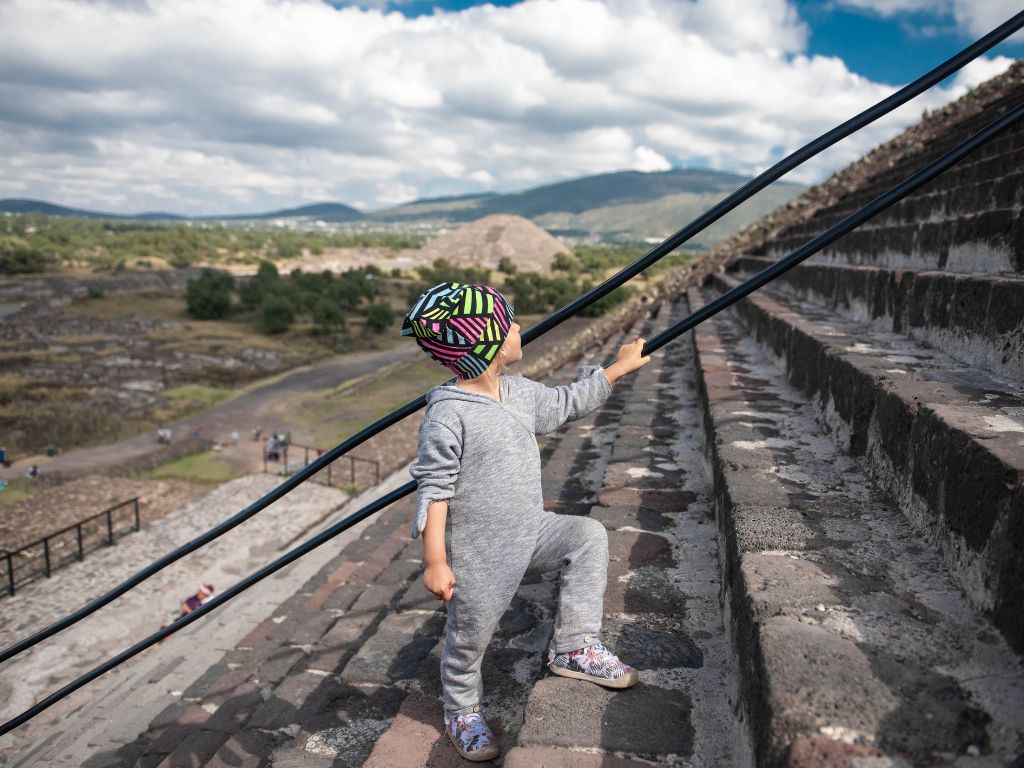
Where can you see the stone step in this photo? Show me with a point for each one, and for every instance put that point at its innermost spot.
(991, 241)
(977, 319)
(987, 163)
(854, 644)
(981, 182)
(661, 605)
(943, 439)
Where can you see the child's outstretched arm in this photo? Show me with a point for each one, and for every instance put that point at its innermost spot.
(437, 576)
(557, 405)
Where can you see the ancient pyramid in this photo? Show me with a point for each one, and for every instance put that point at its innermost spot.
(485, 241)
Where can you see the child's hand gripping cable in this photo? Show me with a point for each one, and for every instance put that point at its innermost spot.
(629, 360)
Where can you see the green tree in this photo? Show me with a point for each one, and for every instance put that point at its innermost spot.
(276, 314)
(208, 297)
(506, 265)
(256, 287)
(327, 316)
(379, 317)
(17, 255)
(565, 263)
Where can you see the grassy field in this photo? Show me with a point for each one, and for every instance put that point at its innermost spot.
(206, 467)
(331, 416)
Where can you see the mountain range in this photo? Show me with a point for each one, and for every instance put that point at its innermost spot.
(621, 205)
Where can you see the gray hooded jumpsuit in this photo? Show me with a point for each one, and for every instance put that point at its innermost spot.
(481, 455)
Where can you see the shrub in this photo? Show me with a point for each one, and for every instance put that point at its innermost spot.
(379, 317)
(255, 288)
(327, 316)
(209, 296)
(276, 314)
(18, 256)
(565, 263)
(605, 303)
(506, 265)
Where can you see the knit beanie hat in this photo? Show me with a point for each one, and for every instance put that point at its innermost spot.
(461, 326)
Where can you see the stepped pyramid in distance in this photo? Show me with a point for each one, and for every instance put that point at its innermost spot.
(815, 515)
(483, 243)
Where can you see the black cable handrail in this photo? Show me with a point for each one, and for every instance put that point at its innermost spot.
(876, 206)
(712, 215)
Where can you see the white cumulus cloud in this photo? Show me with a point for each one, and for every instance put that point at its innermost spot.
(242, 105)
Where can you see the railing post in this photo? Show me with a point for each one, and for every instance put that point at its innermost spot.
(81, 549)
(137, 523)
(46, 556)
(10, 575)
(110, 529)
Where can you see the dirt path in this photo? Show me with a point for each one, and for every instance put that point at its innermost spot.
(240, 414)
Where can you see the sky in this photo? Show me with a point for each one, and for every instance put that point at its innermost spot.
(234, 106)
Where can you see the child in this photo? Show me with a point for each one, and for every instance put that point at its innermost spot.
(480, 505)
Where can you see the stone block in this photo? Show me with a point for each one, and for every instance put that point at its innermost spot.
(639, 474)
(376, 597)
(249, 749)
(399, 571)
(277, 665)
(657, 644)
(614, 518)
(657, 500)
(234, 708)
(285, 702)
(396, 649)
(550, 757)
(195, 751)
(334, 581)
(643, 720)
(414, 736)
(821, 752)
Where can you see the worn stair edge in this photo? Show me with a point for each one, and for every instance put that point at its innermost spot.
(853, 641)
(661, 609)
(953, 462)
(986, 242)
(977, 319)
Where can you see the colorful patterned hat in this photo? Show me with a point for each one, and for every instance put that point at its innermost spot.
(461, 326)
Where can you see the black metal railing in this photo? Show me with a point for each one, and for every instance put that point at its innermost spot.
(924, 175)
(329, 476)
(44, 556)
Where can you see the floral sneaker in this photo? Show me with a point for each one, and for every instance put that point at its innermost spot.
(471, 737)
(596, 664)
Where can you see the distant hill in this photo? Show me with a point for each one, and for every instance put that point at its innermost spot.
(20, 205)
(625, 205)
(321, 211)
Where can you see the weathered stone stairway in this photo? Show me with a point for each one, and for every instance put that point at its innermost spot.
(345, 671)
